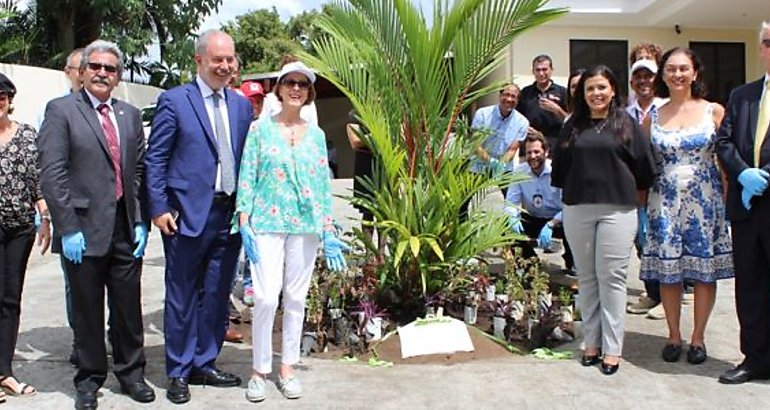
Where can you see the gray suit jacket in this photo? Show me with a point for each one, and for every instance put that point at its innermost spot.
(77, 176)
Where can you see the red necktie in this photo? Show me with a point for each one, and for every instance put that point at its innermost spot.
(112, 143)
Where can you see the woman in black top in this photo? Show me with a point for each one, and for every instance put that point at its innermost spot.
(19, 184)
(603, 163)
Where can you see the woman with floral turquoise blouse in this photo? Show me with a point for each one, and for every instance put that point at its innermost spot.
(284, 208)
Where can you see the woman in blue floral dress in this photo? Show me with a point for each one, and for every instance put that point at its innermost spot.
(284, 210)
(687, 236)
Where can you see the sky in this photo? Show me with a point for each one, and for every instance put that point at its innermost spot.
(286, 8)
(232, 8)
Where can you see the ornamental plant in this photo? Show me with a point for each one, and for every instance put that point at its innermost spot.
(411, 83)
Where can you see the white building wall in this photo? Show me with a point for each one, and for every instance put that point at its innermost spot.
(36, 86)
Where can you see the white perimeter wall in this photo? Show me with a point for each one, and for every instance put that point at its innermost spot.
(36, 86)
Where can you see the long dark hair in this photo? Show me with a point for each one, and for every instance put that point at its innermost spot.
(570, 98)
(697, 87)
(619, 122)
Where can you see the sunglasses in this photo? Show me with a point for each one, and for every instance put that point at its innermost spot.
(766, 42)
(96, 67)
(292, 83)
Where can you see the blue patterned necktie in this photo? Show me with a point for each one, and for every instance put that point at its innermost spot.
(226, 160)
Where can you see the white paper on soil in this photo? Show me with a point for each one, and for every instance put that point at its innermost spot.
(434, 338)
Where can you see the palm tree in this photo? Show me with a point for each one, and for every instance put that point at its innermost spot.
(410, 83)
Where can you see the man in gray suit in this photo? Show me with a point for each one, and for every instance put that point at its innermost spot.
(91, 152)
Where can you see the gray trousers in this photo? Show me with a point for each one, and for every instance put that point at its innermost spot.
(601, 237)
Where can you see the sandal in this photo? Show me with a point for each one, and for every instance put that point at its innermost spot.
(21, 390)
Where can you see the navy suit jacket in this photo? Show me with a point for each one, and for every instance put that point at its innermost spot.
(181, 160)
(735, 143)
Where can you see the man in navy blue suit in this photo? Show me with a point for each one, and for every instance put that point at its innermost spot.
(192, 162)
(743, 146)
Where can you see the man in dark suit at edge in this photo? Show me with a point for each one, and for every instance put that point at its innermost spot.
(743, 147)
(193, 158)
(91, 149)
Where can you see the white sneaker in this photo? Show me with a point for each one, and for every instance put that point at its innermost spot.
(657, 313)
(291, 388)
(642, 306)
(257, 389)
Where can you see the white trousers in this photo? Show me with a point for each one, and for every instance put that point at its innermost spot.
(285, 263)
(601, 238)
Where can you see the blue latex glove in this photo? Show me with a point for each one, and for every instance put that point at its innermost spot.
(249, 240)
(746, 198)
(754, 180)
(73, 246)
(495, 166)
(333, 248)
(516, 225)
(641, 231)
(544, 239)
(140, 239)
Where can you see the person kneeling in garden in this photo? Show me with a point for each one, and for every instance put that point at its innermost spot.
(284, 208)
(541, 203)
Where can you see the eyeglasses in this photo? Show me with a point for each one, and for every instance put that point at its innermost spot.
(766, 42)
(96, 67)
(298, 83)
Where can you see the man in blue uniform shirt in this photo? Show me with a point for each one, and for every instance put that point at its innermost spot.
(541, 203)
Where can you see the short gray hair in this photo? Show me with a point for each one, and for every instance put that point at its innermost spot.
(765, 26)
(103, 46)
(203, 40)
(76, 52)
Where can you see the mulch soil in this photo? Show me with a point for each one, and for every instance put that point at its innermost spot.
(390, 348)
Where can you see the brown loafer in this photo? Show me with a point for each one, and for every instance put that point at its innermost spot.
(233, 336)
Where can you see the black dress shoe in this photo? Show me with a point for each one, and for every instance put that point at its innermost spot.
(741, 374)
(178, 392)
(138, 391)
(591, 360)
(85, 400)
(671, 352)
(214, 377)
(610, 369)
(74, 358)
(696, 354)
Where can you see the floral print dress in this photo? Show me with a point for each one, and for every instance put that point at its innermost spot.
(687, 236)
(285, 189)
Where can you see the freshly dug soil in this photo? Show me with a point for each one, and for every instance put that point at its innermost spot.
(390, 349)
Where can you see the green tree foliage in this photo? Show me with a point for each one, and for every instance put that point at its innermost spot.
(409, 83)
(262, 38)
(303, 29)
(49, 29)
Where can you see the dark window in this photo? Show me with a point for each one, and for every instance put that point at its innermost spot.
(612, 53)
(724, 67)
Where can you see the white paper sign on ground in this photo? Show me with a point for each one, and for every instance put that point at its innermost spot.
(447, 336)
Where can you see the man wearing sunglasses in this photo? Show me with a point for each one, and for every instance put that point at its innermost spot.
(743, 147)
(91, 152)
(193, 159)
